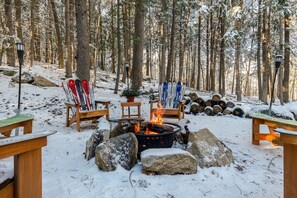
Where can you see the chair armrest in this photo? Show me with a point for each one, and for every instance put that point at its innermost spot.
(102, 102)
(71, 105)
(154, 101)
(106, 103)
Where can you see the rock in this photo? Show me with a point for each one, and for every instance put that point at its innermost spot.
(168, 161)
(120, 150)
(43, 82)
(100, 134)
(116, 131)
(25, 78)
(9, 72)
(209, 150)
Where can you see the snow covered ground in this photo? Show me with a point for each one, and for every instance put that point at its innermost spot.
(257, 171)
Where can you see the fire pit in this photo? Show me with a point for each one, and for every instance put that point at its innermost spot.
(151, 135)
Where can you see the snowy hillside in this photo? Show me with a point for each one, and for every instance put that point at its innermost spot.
(257, 171)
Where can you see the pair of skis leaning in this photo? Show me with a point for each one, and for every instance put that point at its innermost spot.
(170, 94)
(81, 93)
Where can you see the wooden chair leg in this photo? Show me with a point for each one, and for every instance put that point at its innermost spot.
(67, 116)
(77, 121)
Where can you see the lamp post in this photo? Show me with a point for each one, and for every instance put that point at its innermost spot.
(20, 51)
(278, 61)
(127, 72)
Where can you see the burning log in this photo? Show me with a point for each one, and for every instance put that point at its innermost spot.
(158, 128)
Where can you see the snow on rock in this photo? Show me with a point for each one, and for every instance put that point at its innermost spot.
(209, 150)
(100, 134)
(25, 78)
(168, 161)
(120, 150)
(43, 82)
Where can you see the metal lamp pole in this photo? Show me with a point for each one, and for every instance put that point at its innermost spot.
(278, 61)
(127, 72)
(20, 51)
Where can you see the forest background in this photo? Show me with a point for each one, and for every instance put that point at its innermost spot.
(224, 46)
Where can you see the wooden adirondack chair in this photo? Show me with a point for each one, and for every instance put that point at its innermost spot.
(79, 115)
(171, 101)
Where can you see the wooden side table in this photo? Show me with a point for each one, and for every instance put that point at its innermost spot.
(129, 105)
(289, 141)
(7, 125)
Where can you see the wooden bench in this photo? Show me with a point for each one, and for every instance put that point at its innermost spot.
(7, 125)
(26, 150)
(272, 123)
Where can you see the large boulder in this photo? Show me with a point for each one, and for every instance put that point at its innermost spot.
(43, 82)
(120, 150)
(9, 72)
(100, 135)
(168, 161)
(25, 78)
(208, 149)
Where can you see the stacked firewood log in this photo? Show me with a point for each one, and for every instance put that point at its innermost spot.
(215, 105)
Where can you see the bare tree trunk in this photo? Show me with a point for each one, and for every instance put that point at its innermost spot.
(136, 76)
(193, 72)
(171, 49)
(163, 51)
(207, 54)
(286, 79)
(237, 59)
(18, 19)
(37, 43)
(259, 33)
(58, 34)
(72, 30)
(264, 57)
(83, 50)
(126, 37)
(212, 46)
(32, 32)
(67, 40)
(247, 82)
(119, 48)
(182, 49)
(222, 89)
(199, 54)
(281, 51)
(10, 50)
(112, 38)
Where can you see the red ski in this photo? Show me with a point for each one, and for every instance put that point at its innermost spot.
(71, 85)
(86, 87)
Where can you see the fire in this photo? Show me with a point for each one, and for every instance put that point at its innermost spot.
(156, 119)
(157, 116)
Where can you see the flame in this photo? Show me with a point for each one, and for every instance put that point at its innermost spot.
(156, 119)
(137, 127)
(158, 115)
